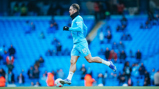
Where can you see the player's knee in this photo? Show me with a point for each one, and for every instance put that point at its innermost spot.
(89, 60)
(72, 61)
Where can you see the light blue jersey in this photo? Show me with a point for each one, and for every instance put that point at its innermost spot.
(79, 30)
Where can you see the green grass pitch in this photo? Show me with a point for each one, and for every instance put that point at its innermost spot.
(78, 87)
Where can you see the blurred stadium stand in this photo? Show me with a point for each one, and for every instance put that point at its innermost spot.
(29, 47)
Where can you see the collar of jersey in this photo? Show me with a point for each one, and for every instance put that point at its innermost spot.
(74, 15)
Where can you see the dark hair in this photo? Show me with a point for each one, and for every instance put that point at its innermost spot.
(76, 6)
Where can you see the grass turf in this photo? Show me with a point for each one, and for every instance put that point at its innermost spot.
(77, 87)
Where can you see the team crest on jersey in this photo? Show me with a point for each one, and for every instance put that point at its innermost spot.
(84, 50)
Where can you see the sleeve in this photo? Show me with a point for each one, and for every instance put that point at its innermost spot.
(12, 59)
(7, 60)
(92, 80)
(85, 30)
(110, 56)
(79, 27)
(116, 56)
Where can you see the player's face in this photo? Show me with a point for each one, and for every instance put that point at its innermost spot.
(71, 10)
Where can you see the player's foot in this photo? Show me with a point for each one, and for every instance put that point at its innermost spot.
(112, 66)
(66, 81)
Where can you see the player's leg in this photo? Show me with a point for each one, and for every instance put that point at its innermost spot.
(74, 58)
(91, 59)
(72, 66)
(87, 54)
(71, 70)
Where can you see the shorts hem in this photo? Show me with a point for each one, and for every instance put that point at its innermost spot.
(75, 55)
(87, 54)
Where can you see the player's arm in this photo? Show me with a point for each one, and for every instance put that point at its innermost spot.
(79, 27)
(85, 30)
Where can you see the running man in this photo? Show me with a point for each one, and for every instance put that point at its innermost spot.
(78, 30)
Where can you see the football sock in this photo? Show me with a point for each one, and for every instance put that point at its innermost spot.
(70, 75)
(105, 62)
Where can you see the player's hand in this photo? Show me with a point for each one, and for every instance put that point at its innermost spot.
(65, 28)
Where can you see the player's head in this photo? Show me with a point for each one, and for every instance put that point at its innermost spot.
(74, 8)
